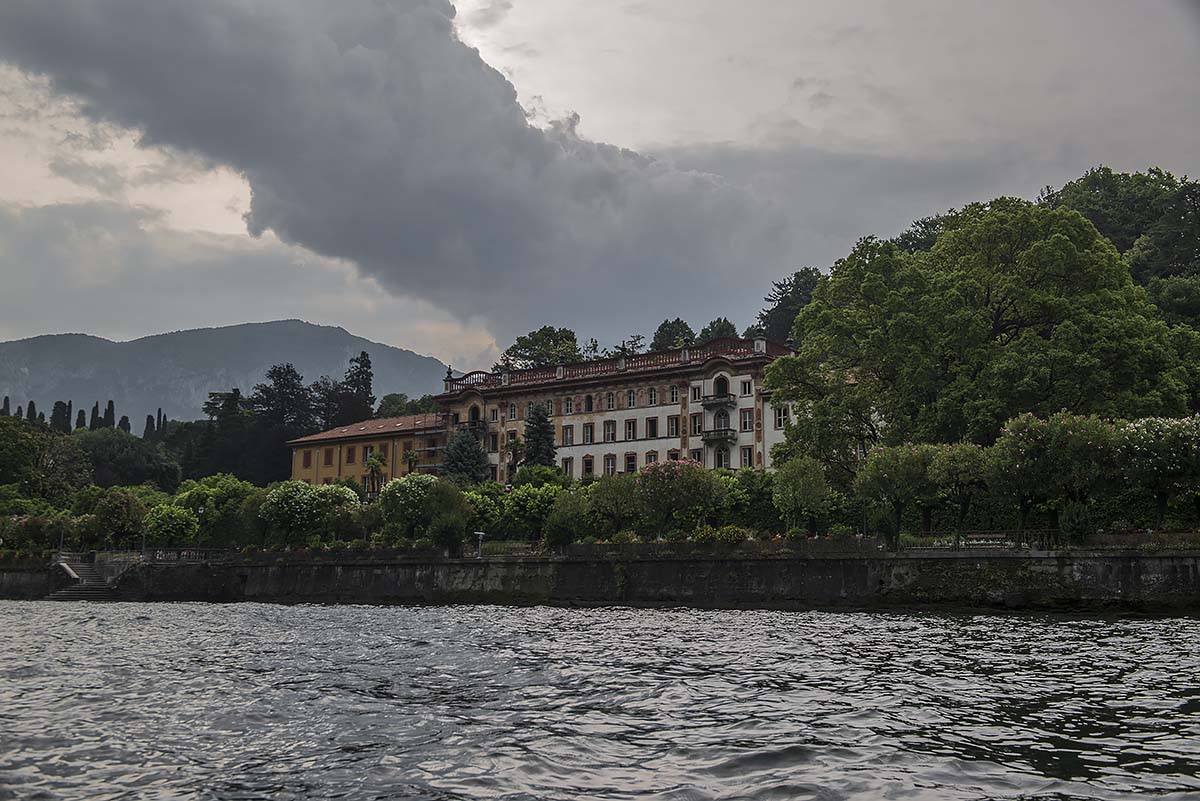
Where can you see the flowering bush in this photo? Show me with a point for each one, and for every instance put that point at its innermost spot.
(725, 535)
(403, 502)
(291, 511)
(677, 494)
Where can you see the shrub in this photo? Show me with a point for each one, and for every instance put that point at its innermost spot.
(526, 509)
(842, 531)
(677, 494)
(613, 503)
(625, 537)
(569, 519)
(402, 501)
(539, 475)
(119, 515)
(725, 535)
(166, 524)
(485, 513)
(801, 493)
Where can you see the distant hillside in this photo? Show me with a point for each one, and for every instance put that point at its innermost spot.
(179, 369)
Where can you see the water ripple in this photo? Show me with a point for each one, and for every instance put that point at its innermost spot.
(224, 703)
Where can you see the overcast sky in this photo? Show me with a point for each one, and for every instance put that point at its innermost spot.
(444, 181)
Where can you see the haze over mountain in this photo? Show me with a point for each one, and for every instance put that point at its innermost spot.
(177, 370)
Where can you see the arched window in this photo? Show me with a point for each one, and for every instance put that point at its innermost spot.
(721, 420)
(721, 386)
(474, 414)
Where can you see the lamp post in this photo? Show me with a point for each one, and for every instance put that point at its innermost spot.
(479, 546)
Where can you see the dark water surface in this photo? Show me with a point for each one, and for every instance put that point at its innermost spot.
(251, 701)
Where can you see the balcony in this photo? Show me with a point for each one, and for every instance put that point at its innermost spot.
(719, 436)
(725, 401)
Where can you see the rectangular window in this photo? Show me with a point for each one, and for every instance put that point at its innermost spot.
(721, 458)
(383, 452)
(630, 399)
(651, 457)
(631, 463)
(308, 459)
(328, 457)
(350, 454)
(747, 457)
(673, 426)
(512, 436)
(495, 413)
(367, 451)
(747, 418)
(568, 467)
(568, 435)
(696, 455)
(529, 408)
(589, 433)
(493, 443)
(673, 456)
(698, 424)
(589, 405)
(747, 388)
(631, 429)
(550, 408)
(568, 406)
(674, 394)
(610, 430)
(610, 465)
(588, 466)
(611, 401)
(512, 411)
(651, 427)
(652, 396)
(781, 416)
(696, 390)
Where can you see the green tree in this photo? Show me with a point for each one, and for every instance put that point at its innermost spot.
(123, 423)
(4, 409)
(283, 401)
(539, 475)
(1019, 466)
(1017, 308)
(676, 496)
(526, 509)
(358, 395)
(96, 423)
(672, 334)
(402, 501)
(898, 478)
(169, 525)
(1160, 456)
(545, 347)
(801, 492)
(81, 420)
(720, 327)
(119, 516)
(376, 470)
(960, 472)
(785, 301)
(59, 468)
(1082, 451)
(148, 430)
(569, 520)
(110, 416)
(31, 411)
(397, 404)
(539, 437)
(60, 418)
(465, 461)
(119, 458)
(19, 445)
(326, 399)
(217, 501)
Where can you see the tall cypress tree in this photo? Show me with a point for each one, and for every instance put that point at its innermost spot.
(80, 420)
(539, 437)
(110, 415)
(31, 412)
(42, 417)
(159, 426)
(149, 430)
(359, 397)
(4, 412)
(70, 414)
(123, 424)
(60, 417)
(94, 425)
(20, 412)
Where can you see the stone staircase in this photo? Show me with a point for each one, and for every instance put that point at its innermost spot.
(90, 586)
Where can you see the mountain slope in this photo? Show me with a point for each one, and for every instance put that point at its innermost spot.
(177, 370)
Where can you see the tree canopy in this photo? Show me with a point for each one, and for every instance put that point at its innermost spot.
(785, 301)
(672, 334)
(720, 327)
(1017, 307)
(545, 347)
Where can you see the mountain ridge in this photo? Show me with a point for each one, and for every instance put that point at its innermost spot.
(177, 369)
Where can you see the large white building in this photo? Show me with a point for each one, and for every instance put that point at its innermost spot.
(617, 415)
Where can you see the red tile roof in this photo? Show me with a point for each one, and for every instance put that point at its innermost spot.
(384, 426)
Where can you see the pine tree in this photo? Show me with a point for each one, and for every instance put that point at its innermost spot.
(110, 415)
(149, 431)
(60, 417)
(42, 418)
(4, 410)
(360, 401)
(123, 424)
(464, 459)
(31, 412)
(80, 420)
(539, 437)
(94, 425)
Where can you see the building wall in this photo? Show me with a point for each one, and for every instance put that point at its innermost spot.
(330, 460)
(746, 444)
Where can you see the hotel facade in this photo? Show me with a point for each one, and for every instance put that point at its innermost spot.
(614, 415)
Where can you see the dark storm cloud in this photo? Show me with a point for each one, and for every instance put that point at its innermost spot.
(368, 131)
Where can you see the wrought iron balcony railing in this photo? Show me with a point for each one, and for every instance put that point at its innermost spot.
(718, 401)
(716, 436)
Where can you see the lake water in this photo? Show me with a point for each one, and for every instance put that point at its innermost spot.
(249, 701)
